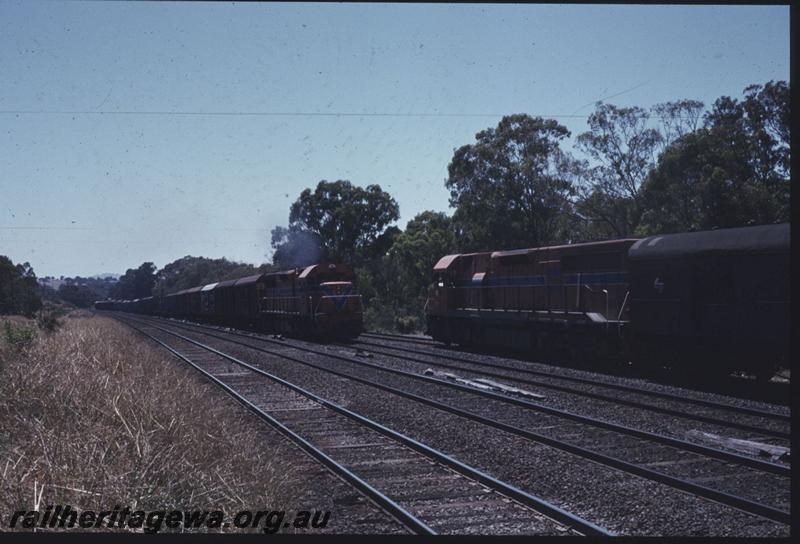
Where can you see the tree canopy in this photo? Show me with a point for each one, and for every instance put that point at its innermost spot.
(428, 236)
(81, 296)
(191, 271)
(512, 187)
(135, 283)
(731, 172)
(19, 290)
(624, 148)
(338, 221)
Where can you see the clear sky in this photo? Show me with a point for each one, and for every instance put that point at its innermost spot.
(92, 191)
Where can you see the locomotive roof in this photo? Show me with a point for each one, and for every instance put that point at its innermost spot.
(583, 245)
(255, 278)
(258, 277)
(510, 253)
(307, 270)
(329, 266)
(447, 260)
(248, 280)
(185, 291)
(758, 239)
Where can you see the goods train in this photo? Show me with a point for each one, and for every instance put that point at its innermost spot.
(711, 301)
(316, 301)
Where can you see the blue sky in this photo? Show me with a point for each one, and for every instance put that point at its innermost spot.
(92, 191)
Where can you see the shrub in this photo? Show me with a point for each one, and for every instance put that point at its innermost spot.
(18, 336)
(47, 321)
(406, 324)
(379, 317)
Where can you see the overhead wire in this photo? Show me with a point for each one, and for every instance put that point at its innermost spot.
(179, 113)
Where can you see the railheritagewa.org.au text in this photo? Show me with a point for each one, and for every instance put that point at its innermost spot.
(61, 517)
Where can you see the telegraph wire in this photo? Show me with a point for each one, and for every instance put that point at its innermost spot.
(285, 114)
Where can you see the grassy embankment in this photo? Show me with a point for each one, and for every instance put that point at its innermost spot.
(93, 417)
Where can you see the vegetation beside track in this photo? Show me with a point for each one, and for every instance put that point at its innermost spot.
(93, 417)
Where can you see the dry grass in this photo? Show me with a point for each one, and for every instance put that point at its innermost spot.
(96, 417)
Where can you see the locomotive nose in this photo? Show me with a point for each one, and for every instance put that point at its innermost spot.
(336, 287)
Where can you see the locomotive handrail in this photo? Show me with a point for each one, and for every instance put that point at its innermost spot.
(542, 286)
(607, 314)
(619, 315)
(605, 292)
(624, 302)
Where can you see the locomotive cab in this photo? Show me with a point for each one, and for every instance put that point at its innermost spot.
(336, 287)
(334, 306)
(437, 291)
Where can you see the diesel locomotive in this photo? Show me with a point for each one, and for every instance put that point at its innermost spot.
(314, 301)
(715, 301)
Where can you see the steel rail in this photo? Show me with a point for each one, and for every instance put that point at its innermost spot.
(536, 503)
(395, 510)
(764, 466)
(401, 337)
(728, 499)
(599, 396)
(632, 389)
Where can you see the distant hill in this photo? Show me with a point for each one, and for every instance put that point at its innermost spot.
(55, 283)
(78, 290)
(106, 276)
(52, 283)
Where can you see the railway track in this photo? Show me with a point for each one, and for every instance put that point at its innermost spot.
(513, 374)
(426, 490)
(686, 485)
(401, 338)
(728, 456)
(522, 368)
